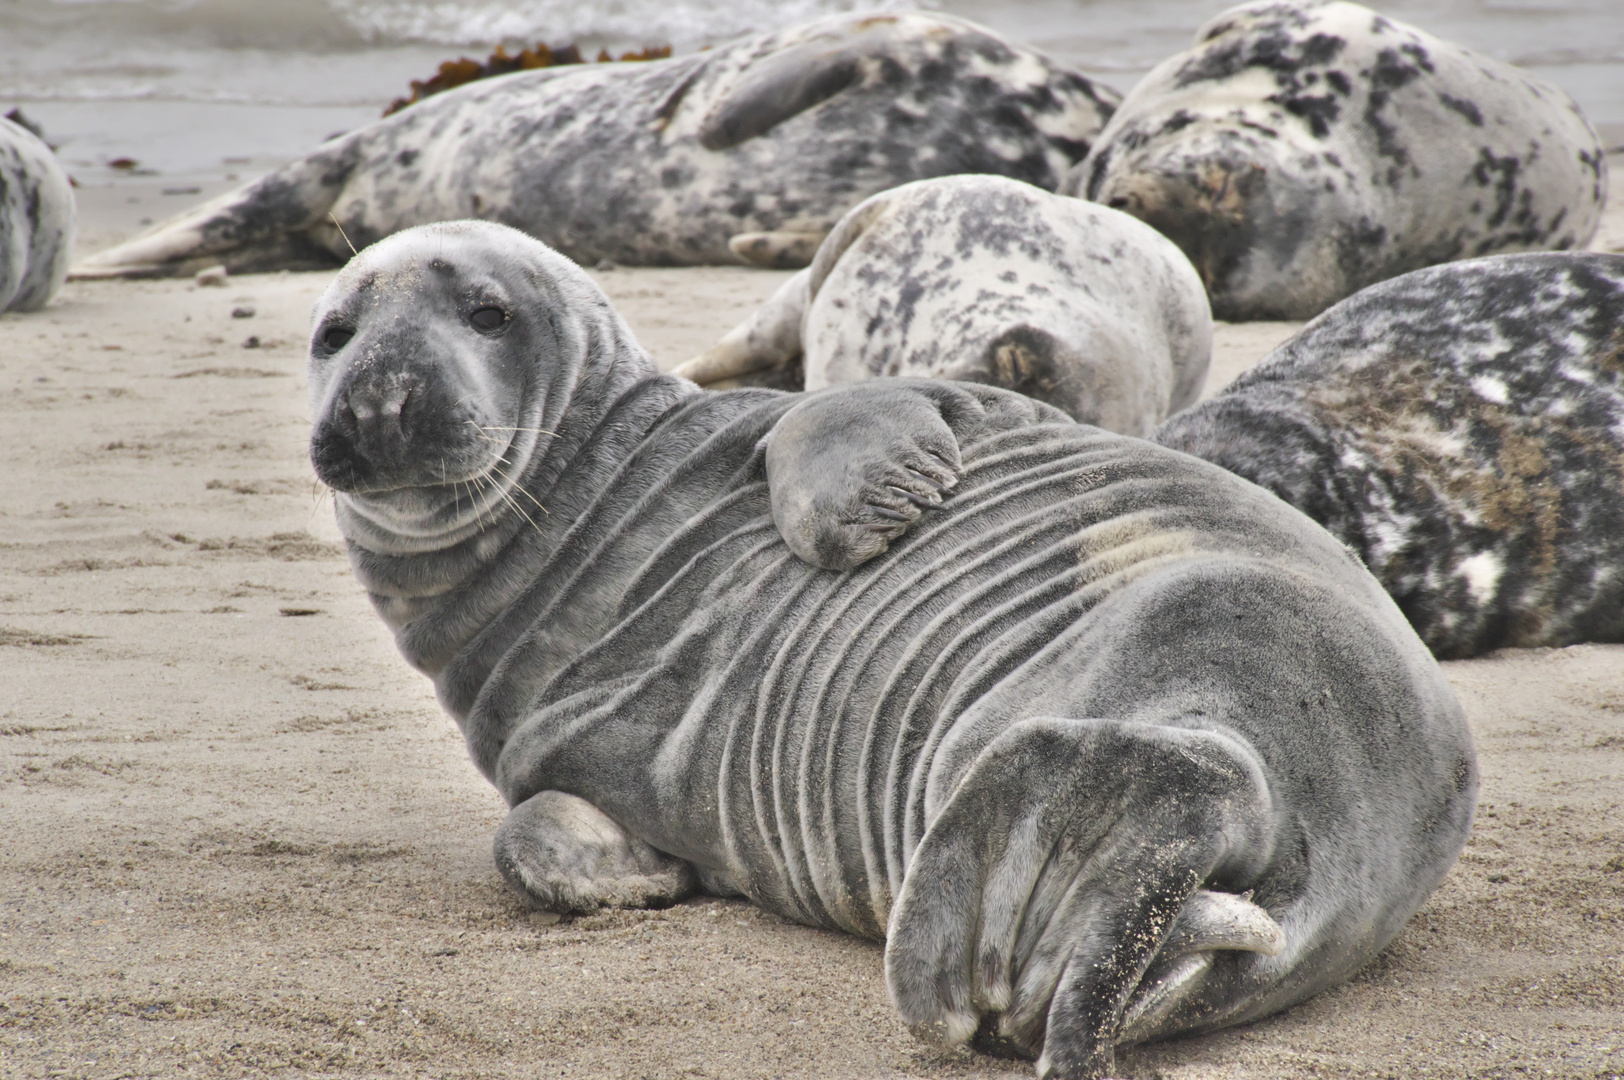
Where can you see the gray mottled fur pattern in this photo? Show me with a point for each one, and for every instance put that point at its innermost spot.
(661, 163)
(1302, 151)
(985, 279)
(36, 220)
(1462, 429)
(1108, 744)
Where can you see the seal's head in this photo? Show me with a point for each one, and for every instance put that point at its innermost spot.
(442, 360)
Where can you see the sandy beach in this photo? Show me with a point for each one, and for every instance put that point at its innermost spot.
(241, 839)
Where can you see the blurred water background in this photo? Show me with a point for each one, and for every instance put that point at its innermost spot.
(215, 90)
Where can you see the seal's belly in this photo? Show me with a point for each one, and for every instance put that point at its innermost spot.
(757, 715)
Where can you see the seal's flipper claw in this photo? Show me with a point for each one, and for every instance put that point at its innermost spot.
(859, 455)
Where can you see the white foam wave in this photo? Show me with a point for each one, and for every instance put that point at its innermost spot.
(344, 24)
(683, 25)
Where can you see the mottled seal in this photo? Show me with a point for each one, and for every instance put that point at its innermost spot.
(663, 162)
(36, 220)
(989, 280)
(1109, 745)
(1302, 151)
(1462, 429)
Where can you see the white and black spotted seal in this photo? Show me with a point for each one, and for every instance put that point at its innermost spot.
(1461, 428)
(1302, 151)
(773, 137)
(36, 220)
(1107, 745)
(989, 280)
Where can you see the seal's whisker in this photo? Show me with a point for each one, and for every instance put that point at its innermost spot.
(499, 427)
(514, 486)
(514, 503)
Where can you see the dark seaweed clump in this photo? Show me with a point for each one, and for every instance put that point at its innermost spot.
(455, 73)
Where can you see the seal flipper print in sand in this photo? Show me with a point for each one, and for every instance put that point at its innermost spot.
(1461, 428)
(988, 280)
(1302, 151)
(1108, 744)
(662, 163)
(36, 220)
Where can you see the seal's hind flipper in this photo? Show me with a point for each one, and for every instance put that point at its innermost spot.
(776, 250)
(278, 221)
(1059, 868)
(768, 339)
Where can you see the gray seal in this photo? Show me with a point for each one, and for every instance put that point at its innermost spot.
(1302, 151)
(769, 139)
(1105, 742)
(985, 279)
(1461, 428)
(37, 220)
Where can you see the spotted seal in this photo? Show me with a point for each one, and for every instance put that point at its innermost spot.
(769, 139)
(1462, 429)
(1302, 151)
(989, 280)
(1108, 745)
(36, 220)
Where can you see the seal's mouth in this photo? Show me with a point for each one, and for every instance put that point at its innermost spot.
(435, 488)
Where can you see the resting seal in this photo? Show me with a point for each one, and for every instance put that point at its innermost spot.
(663, 162)
(1109, 745)
(984, 279)
(1462, 429)
(1302, 151)
(36, 220)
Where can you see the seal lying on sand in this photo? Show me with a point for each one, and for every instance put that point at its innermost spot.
(36, 220)
(1462, 429)
(662, 163)
(1109, 745)
(1302, 151)
(988, 280)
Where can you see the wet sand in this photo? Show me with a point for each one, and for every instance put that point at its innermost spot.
(241, 839)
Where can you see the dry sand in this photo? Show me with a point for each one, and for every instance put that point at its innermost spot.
(241, 839)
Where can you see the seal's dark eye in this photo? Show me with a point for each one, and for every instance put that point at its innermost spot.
(488, 318)
(336, 337)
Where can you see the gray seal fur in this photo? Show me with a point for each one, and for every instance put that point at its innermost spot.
(989, 280)
(37, 220)
(1461, 428)
(663, 163)
(1302, 151)
(1107, 744)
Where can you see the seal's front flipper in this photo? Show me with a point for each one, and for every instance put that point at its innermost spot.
(851, 467)
(771, 338)
(1065, 892)
(783, 85)
(564, 854)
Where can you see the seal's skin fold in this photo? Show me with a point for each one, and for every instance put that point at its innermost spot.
(661, 163)
(1461, 428)
(1299, 152)
(1108, 745)
(37, 218)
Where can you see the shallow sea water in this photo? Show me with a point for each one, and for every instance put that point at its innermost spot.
(212, 90)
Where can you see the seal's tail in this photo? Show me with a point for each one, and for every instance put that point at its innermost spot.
(278, 221)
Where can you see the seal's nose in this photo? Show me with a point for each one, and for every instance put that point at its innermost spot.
(368, 429)
(378, 411)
